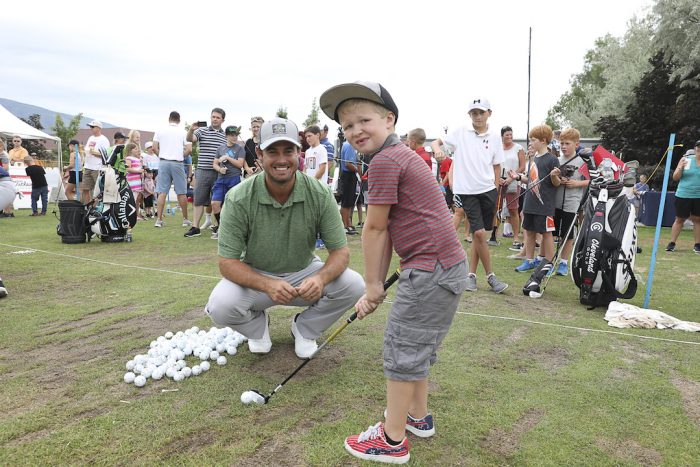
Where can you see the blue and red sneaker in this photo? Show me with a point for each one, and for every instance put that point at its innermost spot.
(421, 427)
(371, 445)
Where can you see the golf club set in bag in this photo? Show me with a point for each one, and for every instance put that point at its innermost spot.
(110, 215)
(602, 259)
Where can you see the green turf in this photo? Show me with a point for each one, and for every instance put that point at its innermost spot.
(505, 391)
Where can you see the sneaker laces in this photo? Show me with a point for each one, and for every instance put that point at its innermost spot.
(373, 432)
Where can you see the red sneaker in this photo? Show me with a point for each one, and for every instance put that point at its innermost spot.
(371, 445)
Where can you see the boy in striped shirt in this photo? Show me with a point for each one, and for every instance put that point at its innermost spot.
(407, 214)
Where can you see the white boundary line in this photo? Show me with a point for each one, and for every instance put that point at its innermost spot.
(509, 318)
(627, 334)
(143, 268)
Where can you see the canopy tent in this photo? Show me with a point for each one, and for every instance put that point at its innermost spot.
(11, 126)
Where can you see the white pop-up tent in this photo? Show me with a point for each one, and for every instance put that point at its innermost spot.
(11, 126)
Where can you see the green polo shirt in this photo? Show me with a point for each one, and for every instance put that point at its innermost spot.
(278, 238)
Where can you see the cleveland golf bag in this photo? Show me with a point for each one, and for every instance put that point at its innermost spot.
(602, 260)
(113, 211)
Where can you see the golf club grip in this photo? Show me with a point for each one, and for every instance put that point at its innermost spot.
(388, 283)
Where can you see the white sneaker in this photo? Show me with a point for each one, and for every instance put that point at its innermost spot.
(159, 223)
(264, 344)
(206, 224)
(187, 223)
(303, 347)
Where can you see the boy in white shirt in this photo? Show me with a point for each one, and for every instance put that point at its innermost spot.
(316, 157)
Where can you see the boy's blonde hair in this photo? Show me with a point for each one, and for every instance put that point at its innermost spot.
(417, 135)
(542, 132)
(570, 134)
(28, 159)
(351, 103)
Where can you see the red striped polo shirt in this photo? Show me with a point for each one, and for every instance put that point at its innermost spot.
(420, 224)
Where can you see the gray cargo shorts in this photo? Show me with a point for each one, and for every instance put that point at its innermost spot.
(425, 303)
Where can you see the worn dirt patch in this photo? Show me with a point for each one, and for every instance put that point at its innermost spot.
(29, 437)
(630, 450)
(690, 392)
(282, 360)
(551, 359)
(621, 374)
(516, 335)
(275, 451)
(189, 443)
(85, 321)
(506, 443)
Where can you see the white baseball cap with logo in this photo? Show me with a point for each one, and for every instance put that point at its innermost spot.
(96, 123)
(480, 103)
(278, 129)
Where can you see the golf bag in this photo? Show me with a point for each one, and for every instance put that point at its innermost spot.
(602, 260)
(113, 211)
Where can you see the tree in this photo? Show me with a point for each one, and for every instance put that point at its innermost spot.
(312, 119)
(66, 133)
(282, 112)
(677, 33)
(34, 145)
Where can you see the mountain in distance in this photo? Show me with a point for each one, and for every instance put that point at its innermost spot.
(48, 117)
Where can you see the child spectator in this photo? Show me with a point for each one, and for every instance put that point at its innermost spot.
(538, 210)
(229, 162)
(134, 173)
(476, 177)
(415, 140)
(406, 211)
(40, 189)
(568, 195)
(149, 191)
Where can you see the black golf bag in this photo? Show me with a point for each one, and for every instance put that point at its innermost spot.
(602, 260)
(112, 217)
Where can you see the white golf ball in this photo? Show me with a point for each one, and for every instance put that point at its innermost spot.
(139, 359)
(178, 376)
(147, 372)
(221, 360)
(187, 372)
(248, 397)
(130, 365)
(204, 355)
(168, 335)
(129, 377)
(195, 329)
(138, 368)
(140, 381)
(157, 374)
(170, 372)
(204, 366)
(220, 348)
(196, 370)
(231, 350)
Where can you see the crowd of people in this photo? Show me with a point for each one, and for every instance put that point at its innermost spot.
(269, 227)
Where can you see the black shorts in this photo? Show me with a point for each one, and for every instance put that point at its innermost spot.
(686, 207)
(538, 223)
(348, 189)
(562, 222)
(479, 209)
(71, 177)
(449, 197)
(148, 201)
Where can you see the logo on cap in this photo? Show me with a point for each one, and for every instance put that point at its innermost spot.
(279, 129)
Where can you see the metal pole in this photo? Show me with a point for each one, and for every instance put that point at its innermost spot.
(662, 205)
(77, 172)
(529, 68)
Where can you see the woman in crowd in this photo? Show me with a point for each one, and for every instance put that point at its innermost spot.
(687, 174)
(134, 173)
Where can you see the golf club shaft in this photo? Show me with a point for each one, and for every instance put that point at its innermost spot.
(393, 278)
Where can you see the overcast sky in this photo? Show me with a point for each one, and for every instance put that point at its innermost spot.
(131, 63)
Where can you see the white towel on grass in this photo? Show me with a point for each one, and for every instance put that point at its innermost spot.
(624, 315)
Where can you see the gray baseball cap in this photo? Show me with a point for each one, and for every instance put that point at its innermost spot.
(278, 129)
(368, 90)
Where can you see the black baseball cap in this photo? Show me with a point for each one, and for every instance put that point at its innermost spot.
(119, 135)
(233, 130)
(368, 90)
(74, 142)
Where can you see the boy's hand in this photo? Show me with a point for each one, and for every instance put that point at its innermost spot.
(555, 171)
(373, 297)
(311, 289)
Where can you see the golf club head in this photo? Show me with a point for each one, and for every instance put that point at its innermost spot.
(534, 294)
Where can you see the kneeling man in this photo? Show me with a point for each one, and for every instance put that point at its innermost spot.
(267, 239)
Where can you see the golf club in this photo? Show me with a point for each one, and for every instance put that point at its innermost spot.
(257, 397)
(555, 259)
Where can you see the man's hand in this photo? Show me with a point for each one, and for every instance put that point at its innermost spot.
(281, 291)
(311, 289)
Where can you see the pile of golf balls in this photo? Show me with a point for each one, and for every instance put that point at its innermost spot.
(167, 354)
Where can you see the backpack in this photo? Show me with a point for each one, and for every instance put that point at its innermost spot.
(602, 260)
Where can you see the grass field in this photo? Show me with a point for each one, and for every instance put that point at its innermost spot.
(519, 382)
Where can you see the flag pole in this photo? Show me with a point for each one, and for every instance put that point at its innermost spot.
(529, 68)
